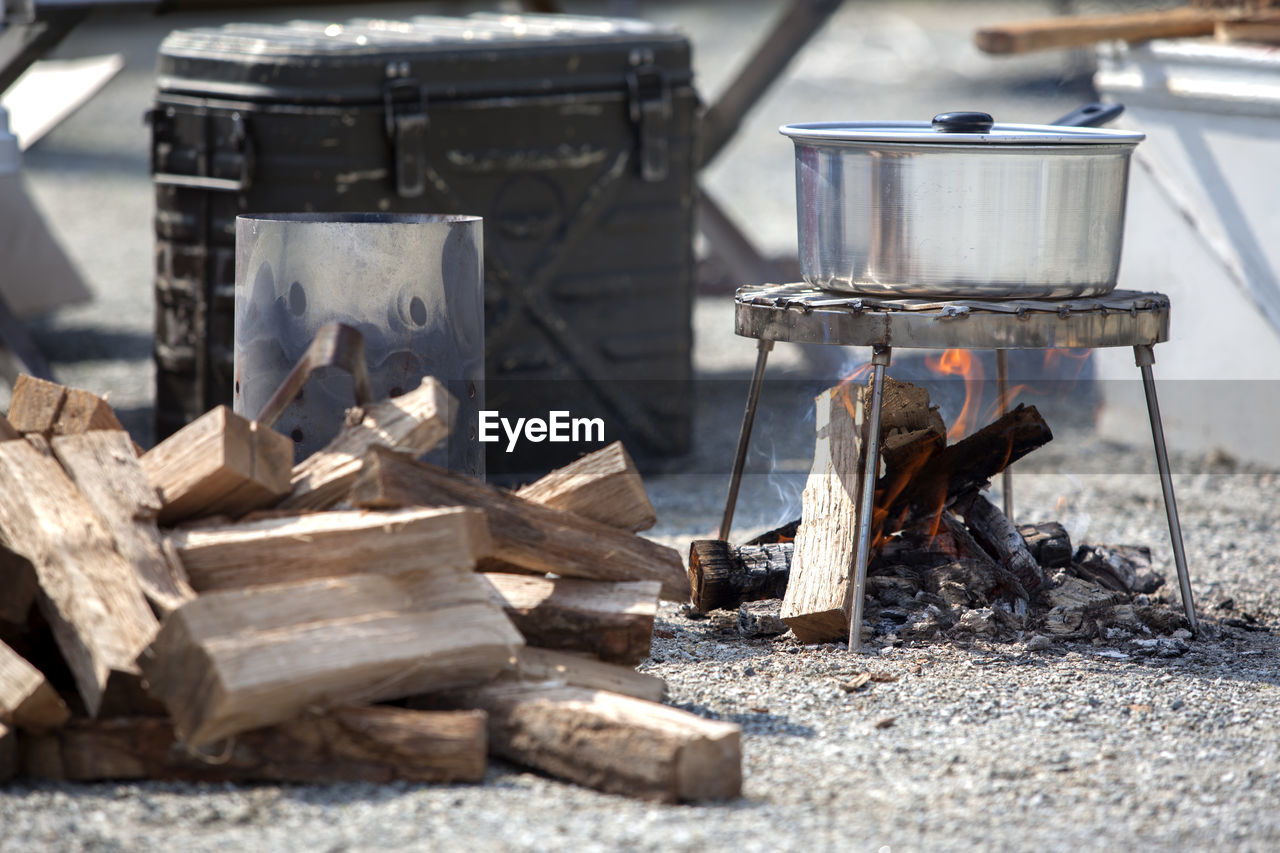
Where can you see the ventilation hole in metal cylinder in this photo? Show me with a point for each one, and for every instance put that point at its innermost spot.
(237, 386)
(471, 390)
(297, 299)
(418, 311)
(296, 435)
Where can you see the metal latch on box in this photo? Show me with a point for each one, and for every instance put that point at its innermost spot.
(405, 102)
(236, 157)
(651, 117)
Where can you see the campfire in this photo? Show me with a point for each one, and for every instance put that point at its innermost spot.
(210, 611)
(946, 562)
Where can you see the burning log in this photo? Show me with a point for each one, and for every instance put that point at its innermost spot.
(613, 621)
(603, 486)
(412, 423)
(967, 466)
(107, 472)
(998, 536)
(724, 575)
(331, 544)
(26, 699)
(535, 538)
(220, 463)
(347, 744)
(90, 594)
(236, 660)
(816, 603)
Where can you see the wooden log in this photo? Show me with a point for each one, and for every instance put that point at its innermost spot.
(724, 575)
(47, 408)
(1263, 30)
(375, 744)
(612, 621)
(603, 486)
(571, 670)
(1086, 30)
(89, 594)
(999, 537)
(220, 463)
(525, 534)
(905, 409)
(236, 660)
(817, 599)
(412, 423)
(967, 466)
(7, 432)
(8, 753)
(611, 742)
(106, 469)
(35, 404)
(1048, 542)
(18, 580)
(329, 544)
(84, 411)
(26, 699)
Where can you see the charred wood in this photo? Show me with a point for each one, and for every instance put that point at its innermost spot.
(724, 575)
(998, 536)
(1048, 542)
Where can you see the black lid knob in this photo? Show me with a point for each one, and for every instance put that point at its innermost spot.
(963, 122)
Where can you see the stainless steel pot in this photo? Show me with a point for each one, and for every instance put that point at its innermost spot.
(961, 207)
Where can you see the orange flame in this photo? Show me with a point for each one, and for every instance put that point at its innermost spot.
(958, 362)
(1055, 357)
(855, 375)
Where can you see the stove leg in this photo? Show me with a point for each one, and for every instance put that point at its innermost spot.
(1002, 390)
(1146, 357)
(870, 472)
(763, 347)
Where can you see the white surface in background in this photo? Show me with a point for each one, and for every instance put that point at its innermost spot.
(1201, 227)
(51, 90)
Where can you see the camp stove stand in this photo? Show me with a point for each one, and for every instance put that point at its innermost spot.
(799, 313)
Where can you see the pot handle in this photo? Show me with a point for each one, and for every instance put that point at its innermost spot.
(963, 122)
(1090, 115)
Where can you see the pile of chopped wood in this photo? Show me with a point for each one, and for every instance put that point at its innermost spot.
(946, 562)
(357, 616)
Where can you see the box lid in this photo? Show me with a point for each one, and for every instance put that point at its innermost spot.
(449, 57)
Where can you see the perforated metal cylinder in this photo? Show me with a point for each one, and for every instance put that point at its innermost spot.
(411, 283)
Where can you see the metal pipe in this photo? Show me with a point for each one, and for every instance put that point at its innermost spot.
(1002, 390)
(795, 27)
(1145, 358)
(763, 346)
(731, 245)
(880, 361)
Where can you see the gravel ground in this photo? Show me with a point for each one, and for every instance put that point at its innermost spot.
(959, 746)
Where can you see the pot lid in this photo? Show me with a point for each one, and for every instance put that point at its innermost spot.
(957, 128)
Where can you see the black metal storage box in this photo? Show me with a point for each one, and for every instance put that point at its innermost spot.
(573, 138)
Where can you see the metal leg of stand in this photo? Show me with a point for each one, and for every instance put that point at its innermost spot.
(763, 348)
(879, 361)
(1002, 390)
(1145, 357)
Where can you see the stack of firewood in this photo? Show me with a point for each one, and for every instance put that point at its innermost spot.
(945, 560)
(208, 610)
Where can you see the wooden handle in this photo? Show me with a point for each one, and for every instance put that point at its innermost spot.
(1084, 30)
